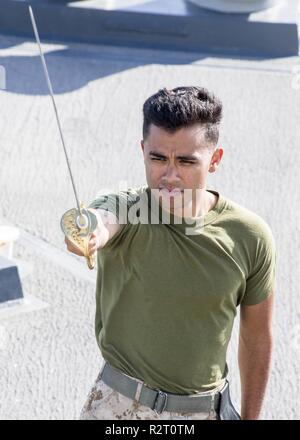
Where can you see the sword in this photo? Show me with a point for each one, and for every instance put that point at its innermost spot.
(77, 224)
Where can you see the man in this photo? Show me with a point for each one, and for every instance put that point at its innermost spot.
(175, 260)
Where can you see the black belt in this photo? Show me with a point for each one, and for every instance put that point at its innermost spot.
(158, 400)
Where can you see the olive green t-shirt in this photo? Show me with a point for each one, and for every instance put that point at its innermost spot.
(166, 299)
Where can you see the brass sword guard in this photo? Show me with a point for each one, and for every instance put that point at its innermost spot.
(78, 227)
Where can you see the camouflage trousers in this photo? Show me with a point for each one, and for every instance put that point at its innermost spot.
(104, 403)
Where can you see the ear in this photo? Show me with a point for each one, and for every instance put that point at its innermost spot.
(142, 145)
(216, 159)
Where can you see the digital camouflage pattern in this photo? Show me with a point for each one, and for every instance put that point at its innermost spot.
(104, 403)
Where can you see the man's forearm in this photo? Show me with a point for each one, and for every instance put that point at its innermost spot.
(254, 363)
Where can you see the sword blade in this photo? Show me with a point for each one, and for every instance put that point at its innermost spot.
(53, 101)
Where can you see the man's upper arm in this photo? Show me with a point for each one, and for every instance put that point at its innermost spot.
(256, 320)
(261, 273)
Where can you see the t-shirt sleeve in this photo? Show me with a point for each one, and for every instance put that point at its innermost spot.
(118, 204)
(261, 280)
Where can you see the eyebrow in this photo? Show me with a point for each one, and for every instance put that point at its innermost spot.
(154, 153)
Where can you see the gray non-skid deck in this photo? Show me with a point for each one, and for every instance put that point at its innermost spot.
(49, 357)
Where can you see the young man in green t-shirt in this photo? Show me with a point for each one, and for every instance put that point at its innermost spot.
(175, 260)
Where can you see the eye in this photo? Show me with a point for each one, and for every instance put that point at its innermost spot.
(187, 162)
(160, 159)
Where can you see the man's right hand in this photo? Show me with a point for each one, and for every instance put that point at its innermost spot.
(107, 227)
(92, 247)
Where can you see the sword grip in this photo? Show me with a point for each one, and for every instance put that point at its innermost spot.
(91, 261)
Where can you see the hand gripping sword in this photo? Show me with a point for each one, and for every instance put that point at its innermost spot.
(78, 223)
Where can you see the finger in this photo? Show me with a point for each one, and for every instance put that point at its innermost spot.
(79, 253)
(92, 244)
(74, 249)
(92, 248)
(70, 246)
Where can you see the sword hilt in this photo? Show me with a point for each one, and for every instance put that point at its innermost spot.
(80, 235)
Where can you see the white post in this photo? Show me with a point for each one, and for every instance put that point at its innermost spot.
(8, 234)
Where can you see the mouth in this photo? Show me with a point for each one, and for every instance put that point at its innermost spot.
(170, 192)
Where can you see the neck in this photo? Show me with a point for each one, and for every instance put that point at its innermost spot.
(202, 202)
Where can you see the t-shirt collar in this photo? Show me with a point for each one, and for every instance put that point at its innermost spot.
(183, 223)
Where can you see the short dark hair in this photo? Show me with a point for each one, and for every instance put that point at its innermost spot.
(183, 107)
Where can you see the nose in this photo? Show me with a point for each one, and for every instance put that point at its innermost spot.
(171, 176)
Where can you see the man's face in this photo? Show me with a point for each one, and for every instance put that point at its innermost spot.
(178, 161)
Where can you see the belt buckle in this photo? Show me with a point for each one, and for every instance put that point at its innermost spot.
(212, 405)
(160, 402)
